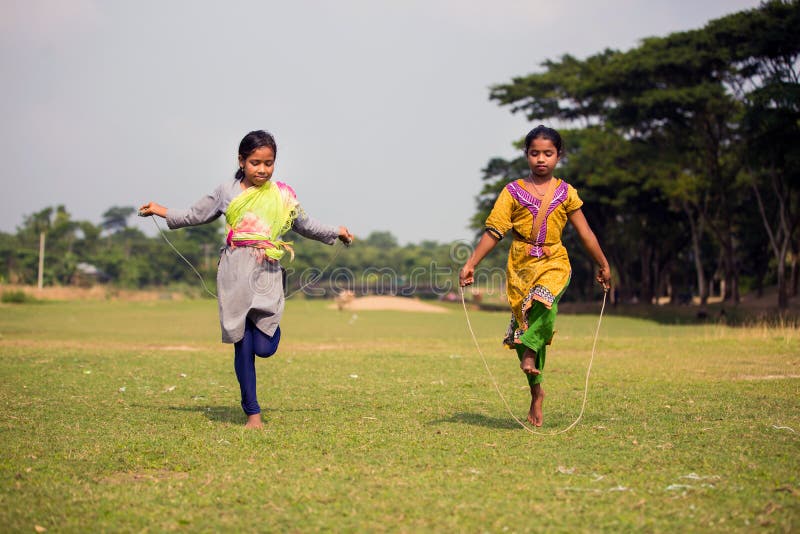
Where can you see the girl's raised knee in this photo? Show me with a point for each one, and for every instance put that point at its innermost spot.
(266, 345)
(268, 353)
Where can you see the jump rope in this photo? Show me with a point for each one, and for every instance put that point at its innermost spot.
(497, 388)
(469, 325)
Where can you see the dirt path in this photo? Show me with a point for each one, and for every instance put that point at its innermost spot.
(391, 303)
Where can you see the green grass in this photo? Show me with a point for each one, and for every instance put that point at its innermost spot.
(125, 417)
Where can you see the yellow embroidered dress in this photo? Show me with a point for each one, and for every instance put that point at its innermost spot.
(538, 269)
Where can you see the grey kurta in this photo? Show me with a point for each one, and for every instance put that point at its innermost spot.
(245, 286)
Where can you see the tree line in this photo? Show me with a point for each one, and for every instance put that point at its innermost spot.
(128, 258)
(685, 150)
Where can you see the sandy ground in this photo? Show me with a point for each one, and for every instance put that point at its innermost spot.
(391, 303)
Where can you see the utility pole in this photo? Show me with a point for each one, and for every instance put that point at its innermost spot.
(41, 259)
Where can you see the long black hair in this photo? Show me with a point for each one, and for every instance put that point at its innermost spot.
(253, 141)
(543, 132)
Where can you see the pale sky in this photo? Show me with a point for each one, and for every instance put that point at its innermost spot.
(380, 108)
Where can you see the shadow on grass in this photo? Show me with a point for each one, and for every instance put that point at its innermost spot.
(232, 413)
(220, 414)
(723, 313)
(477, 419)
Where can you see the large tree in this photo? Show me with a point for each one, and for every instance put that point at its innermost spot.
(764, 74)
(665, 130)
(116, 218)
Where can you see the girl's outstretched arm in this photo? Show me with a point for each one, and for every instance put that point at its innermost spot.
(312, 229)
(592, 246)
(485, 245)
(203, 211)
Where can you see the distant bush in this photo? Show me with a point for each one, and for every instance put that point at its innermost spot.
(16, 296)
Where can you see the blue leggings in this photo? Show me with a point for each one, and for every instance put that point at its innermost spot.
(254, 343)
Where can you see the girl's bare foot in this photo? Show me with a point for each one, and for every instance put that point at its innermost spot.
(254, 421)
(528, 363)
(531, 412)
(535, 415)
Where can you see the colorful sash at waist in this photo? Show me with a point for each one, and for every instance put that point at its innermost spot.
(259, 216)
(536, 249)
(259, 241)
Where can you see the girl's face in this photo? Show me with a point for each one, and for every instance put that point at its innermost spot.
(542, 157)
(258, 166)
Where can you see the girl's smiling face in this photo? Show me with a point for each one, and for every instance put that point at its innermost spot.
(258, 166)
(542, 157)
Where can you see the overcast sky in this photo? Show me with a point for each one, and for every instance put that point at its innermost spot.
(380, 108)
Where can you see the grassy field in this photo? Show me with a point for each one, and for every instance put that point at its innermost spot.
(125, 417)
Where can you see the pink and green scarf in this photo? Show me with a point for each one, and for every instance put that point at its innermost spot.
(259, 216)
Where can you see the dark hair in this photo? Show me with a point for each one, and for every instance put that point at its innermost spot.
(253, 141)
(543, 132)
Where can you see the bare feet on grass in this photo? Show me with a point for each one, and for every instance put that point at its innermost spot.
(535, 416)
(528, 363)
(254, 421)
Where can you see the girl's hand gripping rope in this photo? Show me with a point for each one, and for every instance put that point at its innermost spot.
(151, 208)
(604, 277)
(345, 236)
(467, 275)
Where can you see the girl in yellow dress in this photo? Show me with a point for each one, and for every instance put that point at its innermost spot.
(538, 265)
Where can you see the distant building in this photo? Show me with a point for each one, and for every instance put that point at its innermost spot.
(87, 275)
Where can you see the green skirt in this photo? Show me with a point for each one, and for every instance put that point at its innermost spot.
(541, 322)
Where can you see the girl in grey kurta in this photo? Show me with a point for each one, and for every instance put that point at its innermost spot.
(249, 277)
(260, 297)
